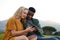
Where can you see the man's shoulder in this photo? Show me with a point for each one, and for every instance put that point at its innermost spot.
(34, 19)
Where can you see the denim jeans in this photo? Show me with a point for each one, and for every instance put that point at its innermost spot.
(51, 38)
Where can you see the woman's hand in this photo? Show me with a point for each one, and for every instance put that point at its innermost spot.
(29, 29)
(35, 28)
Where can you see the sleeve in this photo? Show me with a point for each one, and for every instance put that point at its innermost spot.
(11, 25)
(39, 28)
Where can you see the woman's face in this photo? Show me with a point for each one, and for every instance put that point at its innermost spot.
(24, 14)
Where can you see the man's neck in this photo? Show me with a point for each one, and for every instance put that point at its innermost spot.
(29, 19)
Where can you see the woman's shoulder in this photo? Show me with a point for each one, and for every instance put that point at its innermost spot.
(12, 19)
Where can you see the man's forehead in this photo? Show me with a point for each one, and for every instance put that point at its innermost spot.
(30, 12)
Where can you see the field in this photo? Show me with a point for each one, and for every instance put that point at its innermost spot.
(1, 36)
(45, 36)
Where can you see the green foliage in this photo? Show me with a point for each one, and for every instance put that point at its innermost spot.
(1, 36)
(50, 28)
(57, 33)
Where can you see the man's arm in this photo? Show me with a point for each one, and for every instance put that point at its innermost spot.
(39, 28)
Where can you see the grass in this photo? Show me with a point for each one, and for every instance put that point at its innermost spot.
(1, 36)
(46, 36)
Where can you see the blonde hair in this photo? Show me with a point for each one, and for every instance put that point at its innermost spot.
(19, 11)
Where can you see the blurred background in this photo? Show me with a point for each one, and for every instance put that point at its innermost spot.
(47, 12)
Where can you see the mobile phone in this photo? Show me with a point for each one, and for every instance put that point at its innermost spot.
(33, 26)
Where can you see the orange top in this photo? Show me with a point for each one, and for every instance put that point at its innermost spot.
(12, 24)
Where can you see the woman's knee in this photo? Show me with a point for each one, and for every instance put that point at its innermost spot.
(21, 38)
(25, 38)
(32, 37)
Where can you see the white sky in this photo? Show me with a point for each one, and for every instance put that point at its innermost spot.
(45, 9)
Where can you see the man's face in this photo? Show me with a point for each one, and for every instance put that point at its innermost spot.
(30, 15)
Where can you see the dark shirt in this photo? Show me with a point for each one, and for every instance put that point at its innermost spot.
(33, 22)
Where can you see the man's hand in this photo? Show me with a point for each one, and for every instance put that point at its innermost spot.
(35, 28)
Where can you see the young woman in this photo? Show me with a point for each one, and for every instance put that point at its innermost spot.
(14, 26)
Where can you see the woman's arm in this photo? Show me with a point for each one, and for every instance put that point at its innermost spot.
(22, 32)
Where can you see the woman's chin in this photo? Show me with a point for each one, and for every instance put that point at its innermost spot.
(23, 18)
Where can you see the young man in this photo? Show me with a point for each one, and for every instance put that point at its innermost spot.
(34, 23)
